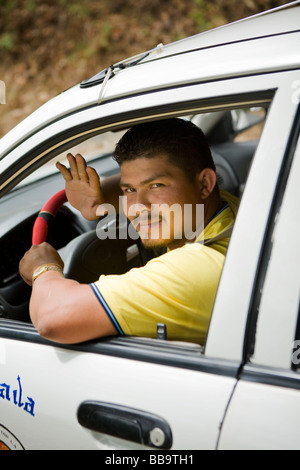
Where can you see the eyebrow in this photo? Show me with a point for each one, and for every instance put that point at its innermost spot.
(147, 181)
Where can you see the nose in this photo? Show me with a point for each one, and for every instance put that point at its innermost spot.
(137, 203)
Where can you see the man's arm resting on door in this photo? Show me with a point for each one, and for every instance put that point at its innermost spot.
(65, 311)
(61, 309)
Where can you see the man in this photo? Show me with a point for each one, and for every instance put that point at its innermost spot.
(164, 164)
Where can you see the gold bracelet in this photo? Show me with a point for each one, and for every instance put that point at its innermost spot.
(44, 268)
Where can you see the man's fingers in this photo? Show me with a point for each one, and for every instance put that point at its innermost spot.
(93, 178)
(73, 166)
(81, 168)
(64, 171)
(77, 171)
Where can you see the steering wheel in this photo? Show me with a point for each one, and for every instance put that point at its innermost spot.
(18, 290)
(46, 215)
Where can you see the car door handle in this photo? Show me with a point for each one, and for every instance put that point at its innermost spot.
(125, 423)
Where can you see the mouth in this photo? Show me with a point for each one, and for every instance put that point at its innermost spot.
(146, 224)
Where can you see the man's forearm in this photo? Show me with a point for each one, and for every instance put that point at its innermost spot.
(64, 311)
(49, 299)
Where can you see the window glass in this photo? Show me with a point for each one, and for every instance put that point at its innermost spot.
(91, 149)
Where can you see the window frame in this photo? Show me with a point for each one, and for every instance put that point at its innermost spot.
(263, 92)
(262, 327)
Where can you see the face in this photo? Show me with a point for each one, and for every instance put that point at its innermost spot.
(160, 201)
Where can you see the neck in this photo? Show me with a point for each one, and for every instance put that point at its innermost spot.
(211, 208)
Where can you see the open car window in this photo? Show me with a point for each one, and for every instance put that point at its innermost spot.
(233, 135)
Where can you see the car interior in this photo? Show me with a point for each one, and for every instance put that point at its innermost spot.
(233, 136)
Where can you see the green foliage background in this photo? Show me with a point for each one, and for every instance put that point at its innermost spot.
(47, 46)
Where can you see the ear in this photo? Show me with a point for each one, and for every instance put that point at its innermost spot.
(207, 180)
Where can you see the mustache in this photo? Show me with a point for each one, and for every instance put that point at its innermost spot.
(147, 219)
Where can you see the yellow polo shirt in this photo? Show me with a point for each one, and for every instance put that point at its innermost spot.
(177, 288)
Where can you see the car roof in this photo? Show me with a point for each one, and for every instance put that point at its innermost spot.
(224, 52)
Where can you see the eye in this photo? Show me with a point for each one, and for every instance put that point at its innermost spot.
(156, 185)
(128, 190)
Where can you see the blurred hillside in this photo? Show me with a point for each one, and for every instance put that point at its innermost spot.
(47, 46)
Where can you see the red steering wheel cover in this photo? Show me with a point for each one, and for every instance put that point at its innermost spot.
(48, 212)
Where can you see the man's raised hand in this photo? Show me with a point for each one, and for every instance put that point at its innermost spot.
(83, 187)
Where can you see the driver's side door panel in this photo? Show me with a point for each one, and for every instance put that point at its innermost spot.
(55, 382)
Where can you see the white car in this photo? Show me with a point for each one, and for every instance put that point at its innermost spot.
(241, 84)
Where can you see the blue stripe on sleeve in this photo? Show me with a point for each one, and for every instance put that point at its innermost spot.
(106, 308)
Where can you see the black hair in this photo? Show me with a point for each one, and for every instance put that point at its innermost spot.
(180, 140)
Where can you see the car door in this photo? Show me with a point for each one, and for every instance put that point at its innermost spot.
(126, 393)
(265, 407)
(119, 394)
